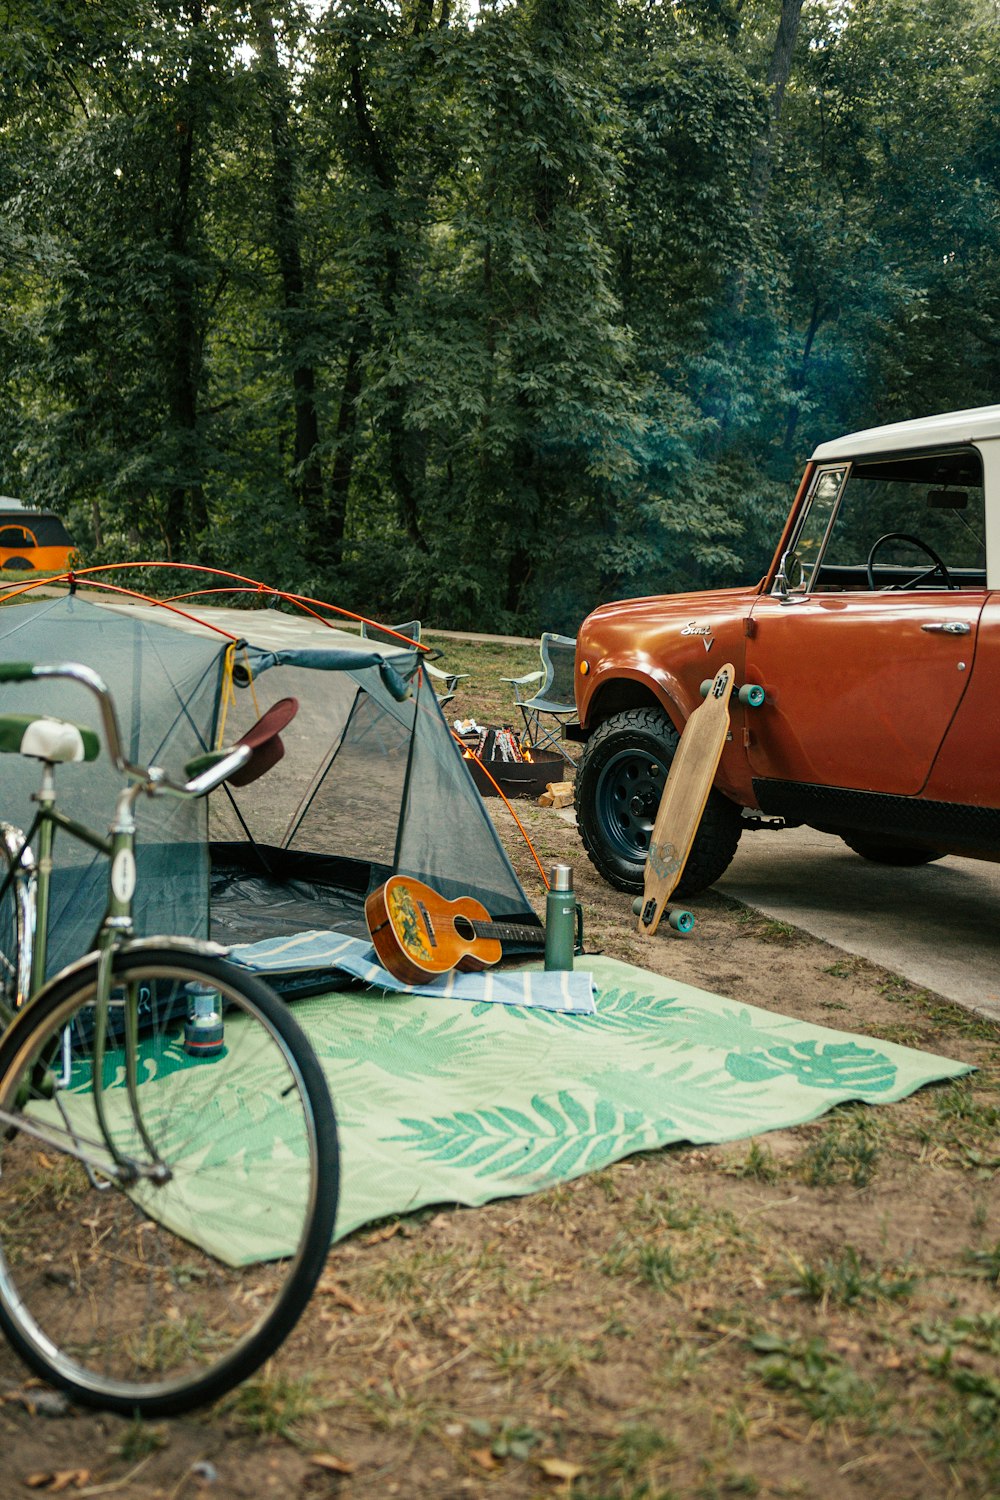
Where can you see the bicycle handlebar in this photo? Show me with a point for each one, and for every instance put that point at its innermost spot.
(219, 766)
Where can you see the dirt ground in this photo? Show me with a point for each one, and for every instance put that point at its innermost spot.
(815, 1312)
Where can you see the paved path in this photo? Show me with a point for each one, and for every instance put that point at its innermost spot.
(936, 925)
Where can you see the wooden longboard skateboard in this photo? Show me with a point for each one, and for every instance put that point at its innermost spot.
(683, 802)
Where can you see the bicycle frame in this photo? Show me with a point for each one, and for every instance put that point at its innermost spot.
(116, 927)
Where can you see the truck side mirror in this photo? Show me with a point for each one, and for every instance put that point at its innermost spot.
(787, 566)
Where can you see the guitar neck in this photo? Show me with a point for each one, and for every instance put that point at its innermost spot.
(509, 932)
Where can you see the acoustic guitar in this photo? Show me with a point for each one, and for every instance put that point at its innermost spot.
(418, 934)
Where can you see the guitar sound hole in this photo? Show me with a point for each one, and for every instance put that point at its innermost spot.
(465, 929)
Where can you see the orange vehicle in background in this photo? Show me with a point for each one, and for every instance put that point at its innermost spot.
(32, 539)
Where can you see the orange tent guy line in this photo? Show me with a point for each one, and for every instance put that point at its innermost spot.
(501, 793)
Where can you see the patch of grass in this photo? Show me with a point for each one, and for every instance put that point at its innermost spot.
(846, 968)
(967, 1432)
(659, 1266)
(273, 1405)
(843, 1152)
(903, 1035)
(825, 1388)
(672, 1239)
(543, 1358)
(899, 990)
(944, 1015)
(655, 1262)
(605, 1183)
(400, 1411)
(981, 1331)
(507, 1439)
(633, 1465)
(682, 1365)
(985, 1263)
(767, 929)
(428, 1281)
(664, 1211)
(960, 1102)
(53, 1186)
(758, 1164)
(139, 1440)
(964, 1124)
(844, 1280)
(733, 1483)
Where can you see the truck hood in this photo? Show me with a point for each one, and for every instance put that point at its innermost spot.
(657, 606)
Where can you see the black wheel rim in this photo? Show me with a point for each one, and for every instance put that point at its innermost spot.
(628, 795)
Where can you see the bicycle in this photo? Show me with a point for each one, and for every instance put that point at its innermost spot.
(154, 1101)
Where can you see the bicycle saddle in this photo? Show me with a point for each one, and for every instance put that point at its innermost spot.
(55, 741)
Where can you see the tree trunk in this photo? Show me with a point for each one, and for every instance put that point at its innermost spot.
(778, 73)
(324, 540)
(346, 441)
(762, 156)
(403, 469)
(187, 514)
(799, 378)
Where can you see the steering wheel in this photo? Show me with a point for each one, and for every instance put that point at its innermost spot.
(905, 536)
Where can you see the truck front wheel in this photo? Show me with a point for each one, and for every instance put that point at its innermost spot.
(618, 787)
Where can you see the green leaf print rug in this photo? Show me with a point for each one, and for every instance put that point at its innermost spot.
(440, 1101)
(449, 1103)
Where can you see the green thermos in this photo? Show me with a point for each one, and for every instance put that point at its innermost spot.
(560, 918)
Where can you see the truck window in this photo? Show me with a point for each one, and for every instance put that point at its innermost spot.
(935, 499)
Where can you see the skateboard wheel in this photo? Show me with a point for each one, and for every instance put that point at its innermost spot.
(751, 694)
(681, 921)
(637, 906)
(706, 687)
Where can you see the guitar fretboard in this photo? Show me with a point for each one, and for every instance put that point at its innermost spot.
(508, 932)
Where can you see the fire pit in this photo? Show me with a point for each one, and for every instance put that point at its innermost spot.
(516, 778)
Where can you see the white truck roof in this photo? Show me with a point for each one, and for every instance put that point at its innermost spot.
(942, 431)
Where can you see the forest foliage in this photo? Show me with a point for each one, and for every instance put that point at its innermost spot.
(481, 312)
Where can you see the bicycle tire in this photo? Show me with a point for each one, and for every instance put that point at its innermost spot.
(126, 1298)
(17, 920)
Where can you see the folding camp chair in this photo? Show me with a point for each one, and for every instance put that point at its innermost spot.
(550, 692)
(443, 683)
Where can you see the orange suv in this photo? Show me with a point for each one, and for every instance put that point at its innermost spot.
(32, 539)
(876, 637)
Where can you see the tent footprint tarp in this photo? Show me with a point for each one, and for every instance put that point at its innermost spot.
(442, 1102)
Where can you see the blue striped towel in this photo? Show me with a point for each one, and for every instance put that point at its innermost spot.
(319, 950)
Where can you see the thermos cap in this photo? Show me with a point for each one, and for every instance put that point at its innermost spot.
(561, 878)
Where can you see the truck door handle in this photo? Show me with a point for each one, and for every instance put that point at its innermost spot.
(947, 627)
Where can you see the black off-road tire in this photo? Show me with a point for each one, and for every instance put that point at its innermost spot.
(618, 787)
(886, 851)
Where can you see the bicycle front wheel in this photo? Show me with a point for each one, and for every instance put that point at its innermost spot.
(150, 1262)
